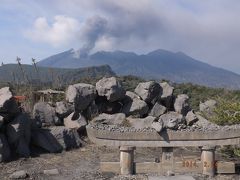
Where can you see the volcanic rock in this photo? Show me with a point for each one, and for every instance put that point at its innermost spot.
(81, 95)
(157, 110)
(75, 121)
(44, 114)
(19, 134)
(148, 91)
(111, 88)
(181, 104)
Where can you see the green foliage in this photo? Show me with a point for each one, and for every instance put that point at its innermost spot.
(227, 112)
(130, 82)
(199, 93)
(236, 151)
(230, 151)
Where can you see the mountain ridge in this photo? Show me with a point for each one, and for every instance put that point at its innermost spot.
(158, 64)
(12, 73)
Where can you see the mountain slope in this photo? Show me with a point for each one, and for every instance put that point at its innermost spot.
(12, 73)
(159, 64)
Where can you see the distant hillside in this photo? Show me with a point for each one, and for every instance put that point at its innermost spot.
(159, 64)
(12, 73)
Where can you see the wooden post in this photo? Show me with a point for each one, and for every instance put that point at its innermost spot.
(126, 159)
(208, 160)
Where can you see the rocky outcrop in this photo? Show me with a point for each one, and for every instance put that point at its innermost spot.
(81, 95)
(111, 88)
(148, 91)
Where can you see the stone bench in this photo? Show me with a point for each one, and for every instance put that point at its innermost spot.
(168, 140)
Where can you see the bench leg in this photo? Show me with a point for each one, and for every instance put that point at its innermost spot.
(208, 160)
(126, 160)
(167, 159)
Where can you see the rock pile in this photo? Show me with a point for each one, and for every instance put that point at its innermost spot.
(56, 127)
(152, 105)
(19, 131)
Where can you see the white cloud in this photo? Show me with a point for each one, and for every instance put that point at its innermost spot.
(62, 31)
(206, 30)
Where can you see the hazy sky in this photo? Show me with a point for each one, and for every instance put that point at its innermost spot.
(208, 30)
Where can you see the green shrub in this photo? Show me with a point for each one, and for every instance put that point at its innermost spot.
(227, 112)
(230, 151)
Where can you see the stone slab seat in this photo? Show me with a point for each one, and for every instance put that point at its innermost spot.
(164, 139)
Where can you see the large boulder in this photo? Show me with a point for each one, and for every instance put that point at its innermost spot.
(4, 148)
(166, 96)
(131, 95)
(44, 139)
(19, 134)
(63, 109)
(8, 105)
(171, 120)
(111, 88)
(158, 126)
(148, 91)
(205, 125)
(157, 110)
(208, 106)
(81, 95)
(45, 114)
(191, 118)
(67, 138)
(134, 106)
(75, 121)
(141, 123)
(181, 104)
(110, 119)
(91, 111)
(104, 106)
(1, 121)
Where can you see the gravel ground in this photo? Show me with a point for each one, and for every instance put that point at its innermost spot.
(83, 164)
